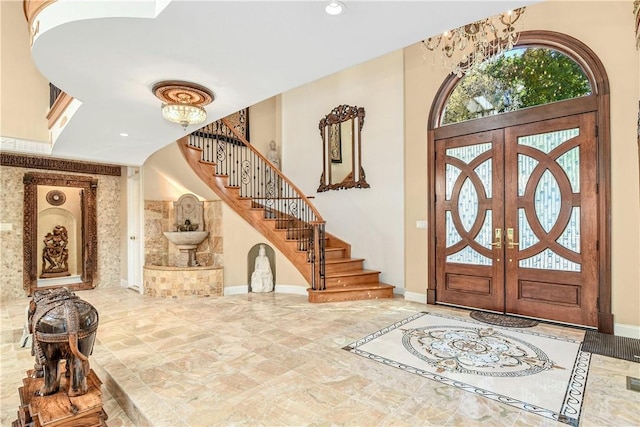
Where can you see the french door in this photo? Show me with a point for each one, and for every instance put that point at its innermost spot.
(516, 220)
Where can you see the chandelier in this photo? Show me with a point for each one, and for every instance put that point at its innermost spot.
(183, 101)
(465, 47)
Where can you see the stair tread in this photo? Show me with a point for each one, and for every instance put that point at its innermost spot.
(293, 228)
(356, 287)
(352, 273)
(341, 260)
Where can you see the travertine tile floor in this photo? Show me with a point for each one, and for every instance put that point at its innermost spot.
(274, 359)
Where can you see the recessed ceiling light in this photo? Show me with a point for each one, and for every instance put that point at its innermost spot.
(124, 134)
(334, 8)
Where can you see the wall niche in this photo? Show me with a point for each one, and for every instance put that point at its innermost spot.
(60, 231)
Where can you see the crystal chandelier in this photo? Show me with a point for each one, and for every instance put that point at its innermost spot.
(183, 102)
(184, 114)
(469, 45)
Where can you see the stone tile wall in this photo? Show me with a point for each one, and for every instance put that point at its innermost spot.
(159, 217)
(156, 245)
(108, 264)
(175, 282)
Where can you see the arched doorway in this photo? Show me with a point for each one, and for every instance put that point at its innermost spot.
(519, 203)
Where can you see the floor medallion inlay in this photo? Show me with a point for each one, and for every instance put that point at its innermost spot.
(477, 351)
(523, 368)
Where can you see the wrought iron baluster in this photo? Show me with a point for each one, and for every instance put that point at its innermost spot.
(321, 252)
(268, 189)
(54, 93)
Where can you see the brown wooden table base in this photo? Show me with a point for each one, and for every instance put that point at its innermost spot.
(60, 410)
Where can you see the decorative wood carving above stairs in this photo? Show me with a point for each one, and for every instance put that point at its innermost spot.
(245, 180)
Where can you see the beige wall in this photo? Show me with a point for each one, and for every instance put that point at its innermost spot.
(595, 23)
(166, 176)
(370, 219)
(238, 241)
(263, 124)
(11, 215)
(24, 99)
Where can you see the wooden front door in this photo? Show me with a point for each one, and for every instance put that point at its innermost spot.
(516, 220)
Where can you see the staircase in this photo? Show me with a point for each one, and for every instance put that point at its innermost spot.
(245, 180)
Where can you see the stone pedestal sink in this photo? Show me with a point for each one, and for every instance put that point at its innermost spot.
(187, 242)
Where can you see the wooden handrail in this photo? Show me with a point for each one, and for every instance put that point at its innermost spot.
(58, 108)
(304, 198)
(32, 8)
(242, 173)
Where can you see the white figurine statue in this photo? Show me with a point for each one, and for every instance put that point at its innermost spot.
(272, 176)
(262, 278)
(272, 154)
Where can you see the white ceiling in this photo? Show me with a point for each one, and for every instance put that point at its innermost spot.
(244, 51)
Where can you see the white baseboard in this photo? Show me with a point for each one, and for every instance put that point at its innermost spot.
(281, 289)
(291, 289)
(60, 281)
(415, 297)
(235, 290)
(629, 331)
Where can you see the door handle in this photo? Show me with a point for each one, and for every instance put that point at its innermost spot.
(498, 236)
(510, 243)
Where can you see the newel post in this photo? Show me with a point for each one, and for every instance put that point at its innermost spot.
(317, 257)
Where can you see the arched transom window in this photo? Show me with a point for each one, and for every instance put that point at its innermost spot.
(519, 78)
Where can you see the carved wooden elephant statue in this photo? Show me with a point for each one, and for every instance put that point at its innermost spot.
(64, 328)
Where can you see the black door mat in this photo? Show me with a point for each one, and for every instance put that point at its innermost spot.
(502, 320)
(611, 345)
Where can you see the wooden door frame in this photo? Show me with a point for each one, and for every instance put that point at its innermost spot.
(88, 238)
(598, 102)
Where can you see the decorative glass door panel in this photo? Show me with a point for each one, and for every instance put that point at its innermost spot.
(550, 206)
(466, 220)
(516, 220)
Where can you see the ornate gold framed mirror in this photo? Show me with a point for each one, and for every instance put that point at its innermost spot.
(341, 132)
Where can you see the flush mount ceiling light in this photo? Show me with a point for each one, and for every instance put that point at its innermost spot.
(183, 101)
(334, 8)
